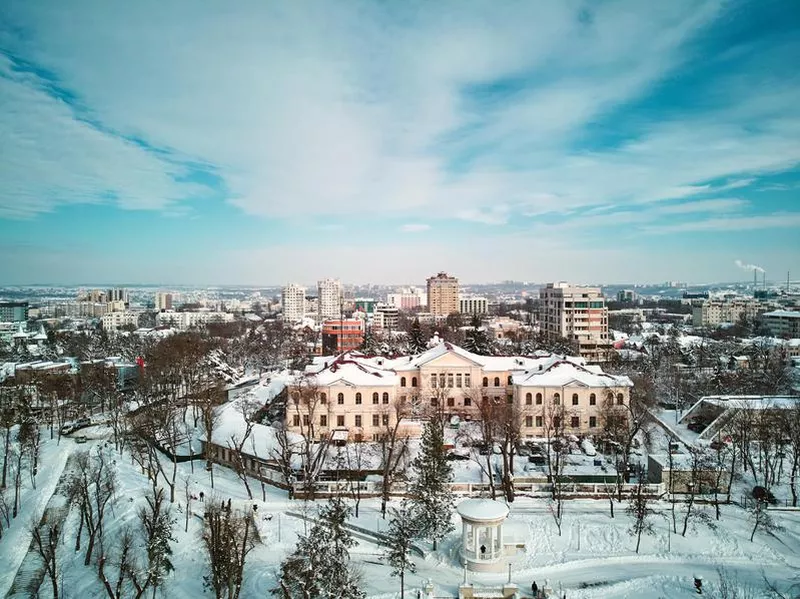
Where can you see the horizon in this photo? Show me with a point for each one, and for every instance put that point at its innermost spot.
(530, 141)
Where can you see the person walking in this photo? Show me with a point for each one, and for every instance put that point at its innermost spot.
(535, 590)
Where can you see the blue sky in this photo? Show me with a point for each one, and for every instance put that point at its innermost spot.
(260, 142)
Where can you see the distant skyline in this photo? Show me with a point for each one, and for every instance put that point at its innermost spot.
(258, 143)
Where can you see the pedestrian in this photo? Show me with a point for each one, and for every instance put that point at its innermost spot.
(535, 589)
(201, 496)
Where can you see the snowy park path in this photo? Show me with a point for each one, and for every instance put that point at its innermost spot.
(30, 573)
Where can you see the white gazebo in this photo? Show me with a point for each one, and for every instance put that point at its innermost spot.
(482, 548)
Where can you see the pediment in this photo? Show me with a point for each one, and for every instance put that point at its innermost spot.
(450, 359)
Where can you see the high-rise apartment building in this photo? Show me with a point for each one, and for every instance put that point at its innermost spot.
(579, 314)
(442, 295)
(163, 301)
(330, 299)
(117, 295)
(473, 305)
(407, 299)
(714, 312)
(293, 302)
(14, 311)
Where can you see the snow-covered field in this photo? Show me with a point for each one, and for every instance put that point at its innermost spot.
(593, 557)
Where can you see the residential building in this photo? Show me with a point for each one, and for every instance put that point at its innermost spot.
(626, 295)
(163, 301)
(365, 304)
(14, 311)
(117, 295)
(359, 395)
(782, 323)
(191, 320)
(473, 305)
(340, 335)
(330, 299)
(293, 302)
(579, 314)
(386, 318)
(442, 295)
(407, 299)
(715, 312)
(113, 321)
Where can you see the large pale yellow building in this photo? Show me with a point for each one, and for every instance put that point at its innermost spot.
(443, 295)
(358, 397)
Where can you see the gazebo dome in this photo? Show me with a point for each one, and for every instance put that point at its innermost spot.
(482, 510)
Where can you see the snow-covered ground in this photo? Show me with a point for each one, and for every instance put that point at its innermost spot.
(592, 558)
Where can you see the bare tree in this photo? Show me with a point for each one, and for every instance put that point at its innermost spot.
(208, 400)
(30, 440)
(641, 512)
(92, 488)
(308, 404)
(699, 478)
(45, 543)
(237, 442)
(284, 454)
(356, 455)
(228, 539)
(482, 441)
(791, 428)
(5, 512)
(761, 519)
(393, 447)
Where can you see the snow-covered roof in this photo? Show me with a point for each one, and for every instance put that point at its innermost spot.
(783, 314)
(482, 510)
(562, 372)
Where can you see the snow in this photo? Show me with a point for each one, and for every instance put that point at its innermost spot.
(482, 510)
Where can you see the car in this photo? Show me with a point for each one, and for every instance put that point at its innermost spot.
(80, 439)
(588, 448)
(483, 449)
(524, 451)
(67, 429)
(539, 460)
(456, 456)
(82, 422)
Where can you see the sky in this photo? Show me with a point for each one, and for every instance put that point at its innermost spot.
(258, 142)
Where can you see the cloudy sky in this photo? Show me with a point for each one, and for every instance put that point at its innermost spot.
(261, 141)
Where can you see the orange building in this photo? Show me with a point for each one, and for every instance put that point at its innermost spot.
(341, 335)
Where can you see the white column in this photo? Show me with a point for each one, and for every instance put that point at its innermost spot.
(475, 546)
(490, 551)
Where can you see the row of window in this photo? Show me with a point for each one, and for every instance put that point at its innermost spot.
(376, 398)
(449, 380)
(574, 421)
(377, 420)
(575, 399)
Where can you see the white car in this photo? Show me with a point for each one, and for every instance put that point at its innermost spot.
(588, 448)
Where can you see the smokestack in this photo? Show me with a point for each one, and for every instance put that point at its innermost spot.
(765, 280)
(755, 279)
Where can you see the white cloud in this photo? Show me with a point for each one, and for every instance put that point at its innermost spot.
(779, 220)
(414, 227)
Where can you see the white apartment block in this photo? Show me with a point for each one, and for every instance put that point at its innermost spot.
(386, 318)
(355, 397)
(163, 301)
(579, 314)
(191, 320)
(112, 321)
(408, 299)
(473, 305)
(293, 302)
(714, 312)
(783, 323)
(330, 299)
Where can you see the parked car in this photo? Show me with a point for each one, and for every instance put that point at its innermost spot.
(80, 439)
(483, 449)
(67, 429)
(539, 460)
(524, 451)
(456, 456)
(82, 422)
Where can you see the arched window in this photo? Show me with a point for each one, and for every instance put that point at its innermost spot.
(385, 397)
(610, 397)
(497, 381)
(557, 399)
(358, 399)
(620, 399)
(592, 399)
(485, 382)
(528, 399)
(322, 398)
(510, 380)
(375, 397)
(538, 399)
(402, 381)
(574, 399)
(413, 381)
(340, 399)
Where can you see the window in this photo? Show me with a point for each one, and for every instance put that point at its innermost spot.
(433, 381)
(413, 381)
(620, 399)
(402, 381)
(538, 399)
(467, 402)
(485, 400)
(467, 380)
(510, 380)
(296, 420)
(458, 380)
(509, 399)
(376, 420)
(575, 422)
(340, 420)
(441, 380)
(358, 399)
(434, 401)
(538, 421)
(306, 420)
(358, 420)
(592, 421)
(403, 399)
(385, 397)
(450, 380)
(385, 419)
(323, 420)
(322, 398)
(529, 421)
(574, 399)
(485, 382)
(497, 381)
(451, 402)
(528, 399)
(592, 400)
(340, 399)
(557, 399)
(375, 398)
(556, 422)
(610, 397)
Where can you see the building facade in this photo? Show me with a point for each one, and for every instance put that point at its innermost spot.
(293, 302)
(191, 320)
(715, 312)
(364, 395)
(473, 305)
(113, 321)
(340, 335)
(163, 301)
(579, 314)
(782, 323)
(407, 299)
(330, 299)
(386, 318)
(442, 295)
(14, 311)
